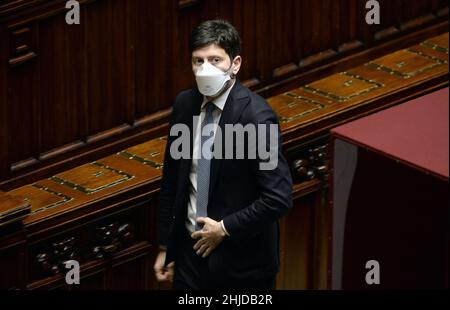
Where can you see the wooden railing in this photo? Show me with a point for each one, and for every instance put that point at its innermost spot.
(104, 212)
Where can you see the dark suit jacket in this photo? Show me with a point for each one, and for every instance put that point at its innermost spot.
(247, 199)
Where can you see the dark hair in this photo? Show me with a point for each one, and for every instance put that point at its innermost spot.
(218, 32)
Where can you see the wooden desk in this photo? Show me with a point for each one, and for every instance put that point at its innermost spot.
(122, 188)
(390, 198)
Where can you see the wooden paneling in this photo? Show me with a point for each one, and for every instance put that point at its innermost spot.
(154, 62)
(77, 88)
(244, 15)
(122, 263)
(62, 104)
(389, 23)
(73, 94)
(12, 255)
(124, 186)
(108, 65)
(71, 91)
(132, 275)
(23, 116)
(4, 128)
(92, 281)
(296, 246)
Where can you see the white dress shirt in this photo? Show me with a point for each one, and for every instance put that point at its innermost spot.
(219, 102)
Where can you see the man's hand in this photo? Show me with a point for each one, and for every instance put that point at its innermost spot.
(162, 272)
(209, 237)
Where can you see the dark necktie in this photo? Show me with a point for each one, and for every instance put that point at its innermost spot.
(204, 164)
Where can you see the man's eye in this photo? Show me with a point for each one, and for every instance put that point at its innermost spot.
(198, 61)
(216, 60)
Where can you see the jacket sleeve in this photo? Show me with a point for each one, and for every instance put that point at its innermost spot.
(275, 195)
(168, 186)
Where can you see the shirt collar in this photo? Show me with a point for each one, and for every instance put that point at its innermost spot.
(220, 101)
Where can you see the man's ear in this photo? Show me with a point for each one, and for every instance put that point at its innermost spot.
(236, 64)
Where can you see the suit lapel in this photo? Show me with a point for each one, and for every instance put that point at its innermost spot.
(236, 101)
(192, 109)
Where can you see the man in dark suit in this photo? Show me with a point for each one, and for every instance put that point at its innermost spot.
(218, 214)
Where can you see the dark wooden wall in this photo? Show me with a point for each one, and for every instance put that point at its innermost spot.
(73, 93)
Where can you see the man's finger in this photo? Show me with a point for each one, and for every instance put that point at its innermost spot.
(199, 243)
(201, 220)
(162, 276)
(202, 249)
(197, 234)
(208, 250)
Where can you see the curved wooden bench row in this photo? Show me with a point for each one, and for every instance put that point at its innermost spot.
(312, 107)
(124, 186)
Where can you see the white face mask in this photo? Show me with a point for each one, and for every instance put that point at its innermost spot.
(210, 79)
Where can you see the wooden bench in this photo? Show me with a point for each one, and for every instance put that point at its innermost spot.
(103, 213)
